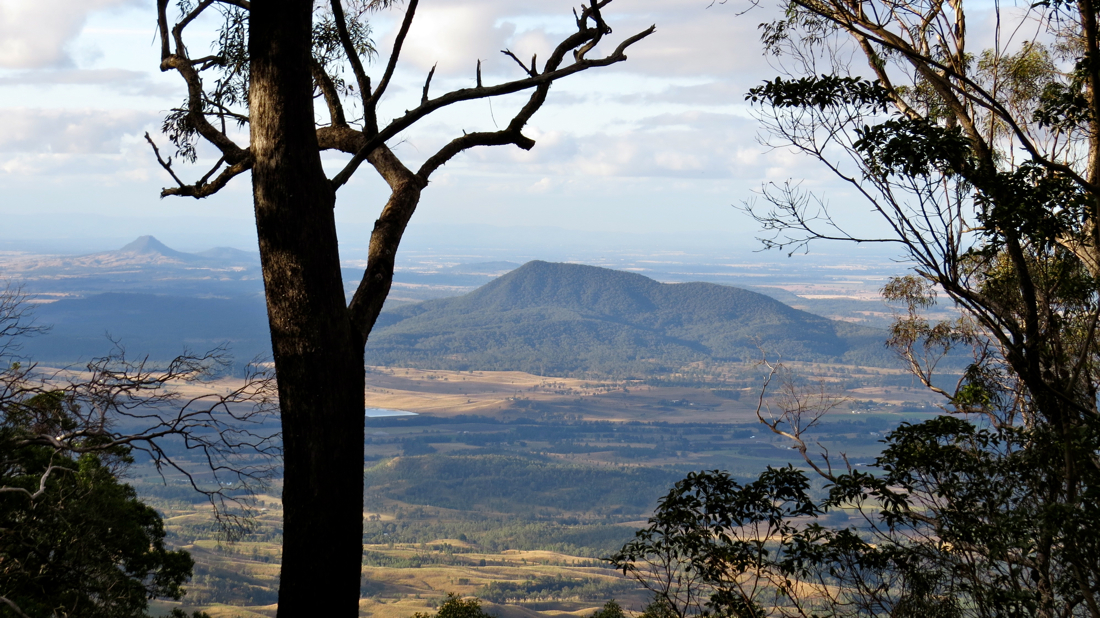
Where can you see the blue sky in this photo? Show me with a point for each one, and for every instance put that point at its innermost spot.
(661, 146)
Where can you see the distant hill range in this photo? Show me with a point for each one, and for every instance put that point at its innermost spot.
(558, 319)
(544, 318)
(147, 250)
(144, 252)
(145, 265)
(150, 246)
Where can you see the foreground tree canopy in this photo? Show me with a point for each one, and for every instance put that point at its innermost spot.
(77, 542)
(983, 168)
(270, 60)
(74, 540)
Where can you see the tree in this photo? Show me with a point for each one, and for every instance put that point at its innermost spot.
(457, 607)
(270, 60)
(74, 540)
(77, 541)
(611, 609)
(983, 169)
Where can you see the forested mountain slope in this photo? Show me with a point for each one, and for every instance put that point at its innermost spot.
(569, 318)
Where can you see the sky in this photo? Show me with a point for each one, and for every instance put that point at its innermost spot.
(654, 152)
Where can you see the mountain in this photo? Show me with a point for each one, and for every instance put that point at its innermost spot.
(156, 251)
(229, 254)
(569, 318)
(148, 245)
(145, 252)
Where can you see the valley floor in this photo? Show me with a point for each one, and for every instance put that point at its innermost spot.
(512, 487)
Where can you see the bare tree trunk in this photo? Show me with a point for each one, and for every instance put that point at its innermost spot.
(318, 355)
(317, 339)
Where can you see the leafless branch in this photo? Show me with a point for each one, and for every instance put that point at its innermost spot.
(207, 438)
(16, 323)
(427, 83)
(470, 140)
(204, 190)
(13, 607)
(205, 177)
(366, 304)
(41, 483)
(600, 27)
(328, 91)
(507, 52)
(799, 409)
(549, 75)
(591, 28)
(370, 109)
(167, 165)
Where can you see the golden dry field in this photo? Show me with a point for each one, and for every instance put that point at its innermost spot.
(496, 393)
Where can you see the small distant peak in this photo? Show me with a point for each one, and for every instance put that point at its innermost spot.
(229, 254)
(147, 244)
(150, 246)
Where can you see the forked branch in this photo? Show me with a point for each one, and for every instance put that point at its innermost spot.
(799, 409)
(193, 119)
(551, 73)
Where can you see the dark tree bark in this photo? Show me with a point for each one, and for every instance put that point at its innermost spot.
(317, 339)
(318, 354)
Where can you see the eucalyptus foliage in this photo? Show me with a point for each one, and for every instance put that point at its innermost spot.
(983, 169)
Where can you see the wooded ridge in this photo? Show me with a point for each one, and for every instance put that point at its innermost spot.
(558, 319)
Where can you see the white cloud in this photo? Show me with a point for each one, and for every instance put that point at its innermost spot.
(118, 81)
(35, 33)
(691, 39)
(696, 40)
(712, 93)
(690, 145)
(654, 130)
(68, 77)
(455, 37)
(66, 131)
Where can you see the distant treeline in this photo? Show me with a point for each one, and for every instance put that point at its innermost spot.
(513, 483)
(545, 588)
(494, 533)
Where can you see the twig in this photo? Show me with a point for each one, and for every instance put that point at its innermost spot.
(391, 65)
(167, 165)
(41, 483)
(427, 83)
(529, 71)
(15, 608)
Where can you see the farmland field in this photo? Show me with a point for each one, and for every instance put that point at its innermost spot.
(512, 487)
